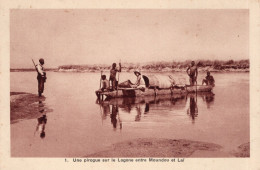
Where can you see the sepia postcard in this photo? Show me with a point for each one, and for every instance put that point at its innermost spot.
(92, 85)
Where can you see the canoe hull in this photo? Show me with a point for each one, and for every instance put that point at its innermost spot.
(154, 92)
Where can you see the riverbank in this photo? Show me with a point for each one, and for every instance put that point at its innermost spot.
(153, 147)
(205, 69)
(26, 106)
(156, 70)
(166, 66)
(163, 66)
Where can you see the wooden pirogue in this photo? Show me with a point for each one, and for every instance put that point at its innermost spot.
(137, 92)
(162, 85)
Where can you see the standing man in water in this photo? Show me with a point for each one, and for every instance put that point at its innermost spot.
(41, 77)
(112, 77)
(192, 71)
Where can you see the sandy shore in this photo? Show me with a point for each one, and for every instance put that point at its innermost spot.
(153, 147)
(243, 150)
(26, 106)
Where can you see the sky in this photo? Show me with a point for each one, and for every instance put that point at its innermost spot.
(104, 36)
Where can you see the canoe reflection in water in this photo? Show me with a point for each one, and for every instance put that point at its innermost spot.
(40, 128)
(159, 105)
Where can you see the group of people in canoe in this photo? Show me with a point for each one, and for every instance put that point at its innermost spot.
(192, 72)
(112, 83)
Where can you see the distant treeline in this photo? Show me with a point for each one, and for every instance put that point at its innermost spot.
(30, 69)
(212, 65)
(165, 66)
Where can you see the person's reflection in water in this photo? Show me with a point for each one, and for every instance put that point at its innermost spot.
(41, 125)
(114, 116)
(127, 103)
(147, 108)
(105, 110)
(41, 106)
(193, 109)
(141, 107)
(209, 98)
(138, 116)
(41, 121)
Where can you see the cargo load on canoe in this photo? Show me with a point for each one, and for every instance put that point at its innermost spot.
(153, 81)
(155, 85)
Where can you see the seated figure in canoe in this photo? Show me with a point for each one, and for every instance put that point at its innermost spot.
(139, 80)
(105, 86)
(209, 80)
(139, 83)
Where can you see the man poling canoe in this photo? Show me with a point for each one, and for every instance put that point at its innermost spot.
(112, 77)
(192, 72)
(41, 76)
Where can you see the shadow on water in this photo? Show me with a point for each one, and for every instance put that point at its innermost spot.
(143, 105)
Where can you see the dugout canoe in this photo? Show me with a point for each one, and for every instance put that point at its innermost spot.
(135, 92)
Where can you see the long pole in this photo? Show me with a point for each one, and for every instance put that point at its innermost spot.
(196, 89)
(196, 81)
(35, 66)
(118, 78)
(100, 80)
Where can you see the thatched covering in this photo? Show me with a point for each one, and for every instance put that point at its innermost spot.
(162, 81)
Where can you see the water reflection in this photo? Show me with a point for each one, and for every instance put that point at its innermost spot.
(42, 120)
(115, 118)
(209, 99)
(193, 109)
(142, 106)
(105, 108)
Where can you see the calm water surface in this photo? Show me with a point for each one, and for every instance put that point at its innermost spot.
(79, 125)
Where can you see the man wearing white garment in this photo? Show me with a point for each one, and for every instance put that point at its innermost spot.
(41, 77)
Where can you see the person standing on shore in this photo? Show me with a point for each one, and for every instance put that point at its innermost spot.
(192, 71)
(41, 77)
(112, 77)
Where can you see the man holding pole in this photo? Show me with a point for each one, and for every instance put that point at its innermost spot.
(41, 77)
(112, 77)
(192, 71)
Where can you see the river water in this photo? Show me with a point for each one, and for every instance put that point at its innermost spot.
(78, 125)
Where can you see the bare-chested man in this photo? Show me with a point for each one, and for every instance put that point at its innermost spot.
(112, 77)
(192, 71)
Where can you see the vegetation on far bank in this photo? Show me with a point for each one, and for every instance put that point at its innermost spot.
(163, 66)
(31, 69)
(216, 65)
